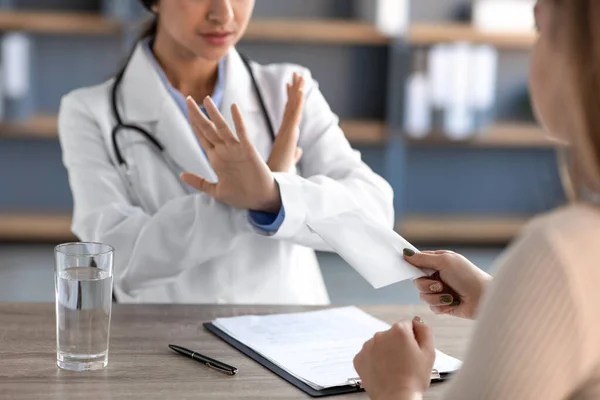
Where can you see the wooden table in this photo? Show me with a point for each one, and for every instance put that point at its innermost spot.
(141, 366)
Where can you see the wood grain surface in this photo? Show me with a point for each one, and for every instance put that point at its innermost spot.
(141, 366)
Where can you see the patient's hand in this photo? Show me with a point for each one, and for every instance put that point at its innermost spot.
(285, 153)
(456, 288)
(396, 364)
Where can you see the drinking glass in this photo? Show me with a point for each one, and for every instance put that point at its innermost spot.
(83, 282)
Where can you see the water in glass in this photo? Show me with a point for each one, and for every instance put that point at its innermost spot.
(83, 307)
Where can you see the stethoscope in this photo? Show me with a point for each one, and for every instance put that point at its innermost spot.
(121, 125)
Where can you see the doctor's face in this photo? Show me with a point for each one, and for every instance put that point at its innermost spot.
(204, 28)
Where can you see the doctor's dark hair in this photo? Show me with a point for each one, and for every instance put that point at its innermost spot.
(577, 31)
(152, 27)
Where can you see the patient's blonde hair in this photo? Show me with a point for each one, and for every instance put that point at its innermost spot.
(577, 31)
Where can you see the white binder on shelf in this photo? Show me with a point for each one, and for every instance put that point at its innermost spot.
(418, 108)
(2, 112)
(391, 17)
(16, 49)
(504, 15)
(483, 84)
(459, 117)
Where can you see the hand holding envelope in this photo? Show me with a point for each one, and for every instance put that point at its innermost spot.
(372, 249)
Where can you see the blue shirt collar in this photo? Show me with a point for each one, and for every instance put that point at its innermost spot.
(218, 92)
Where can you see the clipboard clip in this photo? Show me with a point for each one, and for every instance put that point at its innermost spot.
(435, 376)
(354, 382)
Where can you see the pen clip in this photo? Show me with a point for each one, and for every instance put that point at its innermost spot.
(216, 367)
(435, 375)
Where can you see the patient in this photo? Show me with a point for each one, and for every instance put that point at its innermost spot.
(538, 334)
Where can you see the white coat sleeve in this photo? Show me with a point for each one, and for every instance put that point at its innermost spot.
(334, 177)
(149, 249)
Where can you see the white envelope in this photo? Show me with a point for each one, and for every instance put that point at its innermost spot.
(373, 250)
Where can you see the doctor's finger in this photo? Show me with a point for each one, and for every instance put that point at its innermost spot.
(208, 127)
(298, 155)
(300, 83)
(204, 142)
(293, 112)
(199, 183)
(222, 128)
(295, 91)
(297, 82)
(204, 129)
(240, 126)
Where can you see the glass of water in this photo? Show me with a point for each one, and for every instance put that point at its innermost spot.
(83, 294)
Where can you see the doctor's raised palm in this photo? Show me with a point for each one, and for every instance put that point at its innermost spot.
(244, 179)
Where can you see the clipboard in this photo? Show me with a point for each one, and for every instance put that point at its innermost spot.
(353, 383)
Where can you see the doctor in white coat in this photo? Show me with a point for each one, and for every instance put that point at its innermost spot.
(184, 229)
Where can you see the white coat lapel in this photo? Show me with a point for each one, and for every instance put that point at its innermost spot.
(240, 90)
(174, 130)
(147, 101)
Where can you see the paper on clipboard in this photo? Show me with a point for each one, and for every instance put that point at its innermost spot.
(373, 250)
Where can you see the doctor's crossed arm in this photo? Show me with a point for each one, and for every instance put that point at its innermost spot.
(284, 155)
(244, 179)
(225, 150)
(335, 179)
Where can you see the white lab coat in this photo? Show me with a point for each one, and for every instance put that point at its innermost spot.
(175, 247)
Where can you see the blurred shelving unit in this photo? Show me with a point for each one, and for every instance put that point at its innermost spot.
(315, 31)
(44, 126)
(463, 229)
(452, 229)
(365, 132)
(71, 23)
(428, 34)
(485, 229)
(35, 226)
(285, 30)
(501, 135)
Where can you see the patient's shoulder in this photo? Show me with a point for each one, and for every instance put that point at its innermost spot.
(565, 239)
(567, 223)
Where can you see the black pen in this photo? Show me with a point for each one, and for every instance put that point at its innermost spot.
(209, 362)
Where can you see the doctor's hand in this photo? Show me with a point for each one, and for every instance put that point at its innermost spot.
(286, 153)
(244, 180)
(458, 277)
(397, 364)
